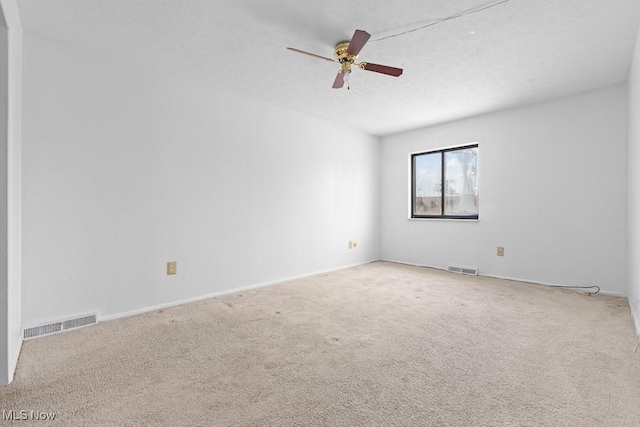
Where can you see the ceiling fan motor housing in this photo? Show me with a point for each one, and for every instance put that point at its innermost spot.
(345, 58)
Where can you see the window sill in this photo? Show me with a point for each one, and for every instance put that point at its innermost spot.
(445, 219)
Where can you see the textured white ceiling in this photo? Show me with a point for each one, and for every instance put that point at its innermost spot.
(516, 53)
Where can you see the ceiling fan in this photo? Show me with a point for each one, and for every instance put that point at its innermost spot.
(346, 54)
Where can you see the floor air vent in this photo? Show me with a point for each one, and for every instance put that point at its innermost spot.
(463, 270)
(36, 331)
(63, 325)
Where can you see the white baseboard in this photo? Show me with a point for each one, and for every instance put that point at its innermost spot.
(536, 282)
(514, 279)
(220, 293)
(634, 315)
(13, 363)
(413, 264)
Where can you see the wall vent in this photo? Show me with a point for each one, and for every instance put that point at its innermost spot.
(78, 322)
(60, 326)
(472, 271)
(37, 331)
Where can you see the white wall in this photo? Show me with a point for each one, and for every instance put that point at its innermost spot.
(10, 258)
(634, 186)
(126, 169)
(4, 223)
(553, 184)
(14, 195)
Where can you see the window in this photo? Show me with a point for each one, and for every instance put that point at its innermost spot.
(457, 168)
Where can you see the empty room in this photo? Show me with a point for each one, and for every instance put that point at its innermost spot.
(339, 213)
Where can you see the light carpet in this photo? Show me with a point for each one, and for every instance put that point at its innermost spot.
(381, 344)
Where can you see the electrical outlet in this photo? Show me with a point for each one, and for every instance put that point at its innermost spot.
(500, 251)
(350, 244)
(172, 268)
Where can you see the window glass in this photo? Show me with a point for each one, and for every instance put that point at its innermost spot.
(461, 185)
(428, 186)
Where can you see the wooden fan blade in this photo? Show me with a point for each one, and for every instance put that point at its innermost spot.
(311, 54)
(339, 81)
(357, 42)
(382, 69)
